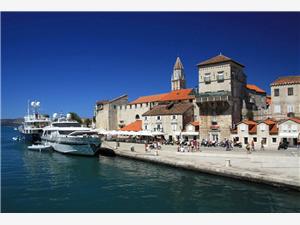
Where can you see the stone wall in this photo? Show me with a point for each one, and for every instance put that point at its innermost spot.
(284, 100)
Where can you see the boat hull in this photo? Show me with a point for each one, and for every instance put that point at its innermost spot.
(32, 138)
(76, 149)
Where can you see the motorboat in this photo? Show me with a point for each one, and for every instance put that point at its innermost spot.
(69, 137)
(40, 147)
(32, 127)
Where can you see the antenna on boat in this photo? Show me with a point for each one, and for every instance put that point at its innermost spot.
(28, 107)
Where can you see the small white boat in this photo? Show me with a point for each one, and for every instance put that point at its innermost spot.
(41, 148)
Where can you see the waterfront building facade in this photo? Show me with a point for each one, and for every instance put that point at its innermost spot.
(220, 106)
(285, 93)
(289, 131)
(170, 119)
(270, 131)
(105, 112)
(259, 131)
(222, 83)
(117, 113)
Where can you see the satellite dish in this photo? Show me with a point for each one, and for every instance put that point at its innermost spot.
(54, 115)
(33, 104)
(38, 104)
(69, 116)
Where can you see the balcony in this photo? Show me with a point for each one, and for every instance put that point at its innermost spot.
(213, 96)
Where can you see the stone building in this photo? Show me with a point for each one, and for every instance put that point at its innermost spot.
(257, 97)
(266, 131)
(285, 94)
(289, 131)
(220, 103)
(169, 118)
(257, 102)
(105, 112)
(270, 131)
(222, 83)
(119, 112)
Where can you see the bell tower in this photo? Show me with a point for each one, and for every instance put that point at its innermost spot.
(178, 81)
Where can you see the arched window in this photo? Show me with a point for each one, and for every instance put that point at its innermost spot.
(137, 117)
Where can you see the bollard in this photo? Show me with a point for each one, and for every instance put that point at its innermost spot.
(227, 163)
(132, 148)
(156, 153)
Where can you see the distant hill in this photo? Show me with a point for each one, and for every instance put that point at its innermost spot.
(12, 122)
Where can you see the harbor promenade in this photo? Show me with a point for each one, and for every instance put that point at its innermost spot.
(273, 167)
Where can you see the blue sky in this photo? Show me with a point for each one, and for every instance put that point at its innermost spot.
(70, 60)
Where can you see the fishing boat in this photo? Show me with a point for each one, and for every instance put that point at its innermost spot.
(69, 137)
(32, 127)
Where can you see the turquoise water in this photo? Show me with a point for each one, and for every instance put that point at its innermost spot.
(52, 182)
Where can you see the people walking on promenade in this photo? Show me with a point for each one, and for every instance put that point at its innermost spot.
(248, 148)
(262, 147)
(227, 145)
(252, 146)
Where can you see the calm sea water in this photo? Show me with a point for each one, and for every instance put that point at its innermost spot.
(52, 182)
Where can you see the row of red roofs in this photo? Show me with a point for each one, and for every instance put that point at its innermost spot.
(272, 123)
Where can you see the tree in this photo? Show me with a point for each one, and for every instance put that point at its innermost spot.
(291, 114)
(87, 122)
(75, 117)
(249, 115)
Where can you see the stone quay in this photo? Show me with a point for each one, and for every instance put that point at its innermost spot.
(279, 168)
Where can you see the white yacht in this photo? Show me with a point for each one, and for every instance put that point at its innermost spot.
(69, 137)
(32, 127)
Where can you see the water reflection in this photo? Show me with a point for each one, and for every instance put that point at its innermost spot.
(52, 182)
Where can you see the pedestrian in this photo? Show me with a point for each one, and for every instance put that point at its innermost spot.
(227, 145)
(248, 148)
(262, 147)
(252, 146)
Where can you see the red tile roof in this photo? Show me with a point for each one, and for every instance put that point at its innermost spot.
(272, 123)
(273, 129)
(218, 59)
(183, 94)
(134, 126)
(248, 122)
(195, 123)
(252, 125)
(295, 119)
(252, 128)
(169, 109)
(149, 98)
(255, 88)
(269, 121)
(287, 80)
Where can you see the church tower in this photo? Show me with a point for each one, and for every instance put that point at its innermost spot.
(178, 81)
